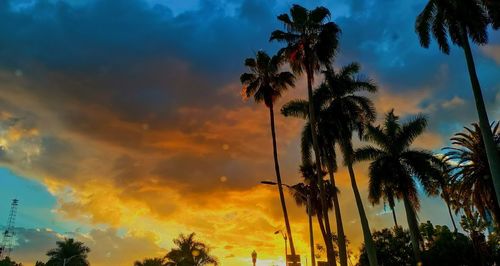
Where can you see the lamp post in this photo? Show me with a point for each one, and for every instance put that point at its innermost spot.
(254, 257)
(284, 238)
(309, 214)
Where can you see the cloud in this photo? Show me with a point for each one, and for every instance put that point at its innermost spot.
(107, 247)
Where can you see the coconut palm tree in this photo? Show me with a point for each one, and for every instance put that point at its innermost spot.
(266, 84)
(69, 252)
(461, 20)
(189, 252)
(151, 262)
(312, 42)
(471, 176)
(396, 165)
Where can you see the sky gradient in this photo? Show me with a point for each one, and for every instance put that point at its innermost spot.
(122, 124)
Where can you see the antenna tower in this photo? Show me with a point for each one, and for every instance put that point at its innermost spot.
(8, 234)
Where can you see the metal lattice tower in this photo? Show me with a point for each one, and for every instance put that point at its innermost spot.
(8, 234)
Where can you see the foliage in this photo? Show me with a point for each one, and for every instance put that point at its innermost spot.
(265, 81)
(151, 262)
(444, 247)
(452, 19)
(393, 248)
(189, 252)
(75, 253)
(8, 262)
(471, 177)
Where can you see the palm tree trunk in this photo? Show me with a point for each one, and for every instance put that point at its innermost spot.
(338, 218)
(314, 133)
(369, 244)
(394, 215)
(278, 179)
(451, 217)
(321, 225)
(447, 201)
(311, 232)
(330, 252)
(484, 124)
(413, 226)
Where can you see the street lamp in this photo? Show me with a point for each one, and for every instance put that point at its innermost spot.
(309, 214)
(254, 257)
(284, 238)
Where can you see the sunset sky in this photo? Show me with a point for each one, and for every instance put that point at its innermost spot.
(122, 124)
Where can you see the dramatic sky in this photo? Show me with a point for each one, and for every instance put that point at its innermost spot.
(122, 125)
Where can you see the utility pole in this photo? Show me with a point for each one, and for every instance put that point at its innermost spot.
(8, 234)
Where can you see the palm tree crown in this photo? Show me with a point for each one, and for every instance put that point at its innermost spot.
(74, 252)
(311, 39)
(265, 81)
(456, 19)
(471, 176)
(189, 252)
(395, 166)
(151, 262)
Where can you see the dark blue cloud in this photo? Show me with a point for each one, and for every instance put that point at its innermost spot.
(142, 60)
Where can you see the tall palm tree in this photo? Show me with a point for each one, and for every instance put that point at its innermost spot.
(311, 41)
(189, 252)
(310, 187)
(461, 20)
(397, 165)
(73, 252)
(151, 262)
(471, 177)
(326, 139)
(349, 112)
(266, 84)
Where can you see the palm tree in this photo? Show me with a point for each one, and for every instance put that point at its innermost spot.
(311, 41)
(266, 83)
(151, 262)
(310, 187)
(74, 253)
(326, 139)
(396, 165)
(461, 20)
(348, 112)
(471, 177)
(189, 253)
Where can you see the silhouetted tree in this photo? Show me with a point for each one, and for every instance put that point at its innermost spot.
(8, 262)
(446, 248)
(73, 252)
(393, 248)
(189, 252)
(310, 187)
(326, 102)
(471, 176)
(266, 84)
(151, 262)
(458, 21)
(397, 166)
(312, 41)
